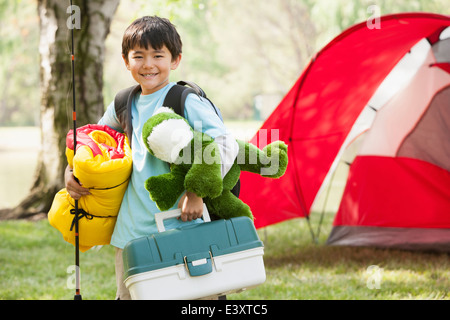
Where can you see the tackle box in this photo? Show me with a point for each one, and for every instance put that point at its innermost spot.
(198, 261)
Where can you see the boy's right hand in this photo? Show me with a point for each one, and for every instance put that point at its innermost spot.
(74, 189)
(191, 206)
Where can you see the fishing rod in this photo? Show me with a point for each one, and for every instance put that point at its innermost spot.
(74, 117)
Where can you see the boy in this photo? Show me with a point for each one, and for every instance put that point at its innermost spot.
(151, 49)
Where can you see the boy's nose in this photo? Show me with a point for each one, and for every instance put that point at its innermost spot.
(148, 63)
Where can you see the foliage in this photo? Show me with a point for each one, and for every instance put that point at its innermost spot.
(237, 50)
(234, 49)
(19, 66)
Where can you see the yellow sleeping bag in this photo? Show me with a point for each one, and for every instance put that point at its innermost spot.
(103, 164)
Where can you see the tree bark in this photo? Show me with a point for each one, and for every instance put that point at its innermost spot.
(94, 18)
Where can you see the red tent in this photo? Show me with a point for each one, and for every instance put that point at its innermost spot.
(318, 113)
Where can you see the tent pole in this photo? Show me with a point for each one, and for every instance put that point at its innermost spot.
(297, 178)
(325, 205)
(313, 237)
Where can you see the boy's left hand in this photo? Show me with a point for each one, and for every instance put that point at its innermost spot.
(191, 206)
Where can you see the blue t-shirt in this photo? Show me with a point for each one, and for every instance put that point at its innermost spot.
(136, 214)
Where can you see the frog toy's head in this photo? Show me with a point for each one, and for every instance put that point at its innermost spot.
(166, 133)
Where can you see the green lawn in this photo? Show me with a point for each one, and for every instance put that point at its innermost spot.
(34, 264)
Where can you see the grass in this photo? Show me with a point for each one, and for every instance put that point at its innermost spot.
(34, 261)
(299, 269)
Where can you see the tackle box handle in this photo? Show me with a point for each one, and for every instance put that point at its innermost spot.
(161, 216)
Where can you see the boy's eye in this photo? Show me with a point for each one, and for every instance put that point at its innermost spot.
(159, 56)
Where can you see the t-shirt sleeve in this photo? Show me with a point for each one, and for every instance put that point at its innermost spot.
(110, 118)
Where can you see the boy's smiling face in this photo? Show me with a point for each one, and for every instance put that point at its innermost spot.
(151, 67)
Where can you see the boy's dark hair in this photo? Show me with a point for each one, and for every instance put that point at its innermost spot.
(153, 31)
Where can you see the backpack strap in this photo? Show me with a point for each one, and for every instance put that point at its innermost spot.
(199, 91)
(122, 106)
(176, 97)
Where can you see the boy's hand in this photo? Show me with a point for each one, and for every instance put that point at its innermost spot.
(74, 189)
(191, 206)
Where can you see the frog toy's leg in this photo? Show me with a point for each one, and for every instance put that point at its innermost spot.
(270, 162)
(166, 188)
(227, 205)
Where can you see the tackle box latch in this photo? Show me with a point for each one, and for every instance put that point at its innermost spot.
(198, 264)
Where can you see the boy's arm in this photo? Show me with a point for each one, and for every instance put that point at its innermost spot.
(228, 148)
(202, 117)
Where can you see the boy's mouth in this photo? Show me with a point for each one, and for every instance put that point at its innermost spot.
(149, 75)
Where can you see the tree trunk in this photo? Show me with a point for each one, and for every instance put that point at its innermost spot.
(91, 26)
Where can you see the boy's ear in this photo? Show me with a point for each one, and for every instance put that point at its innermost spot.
(176, 62)
(125, 59)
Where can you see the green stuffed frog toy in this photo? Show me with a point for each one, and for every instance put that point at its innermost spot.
(195, 165)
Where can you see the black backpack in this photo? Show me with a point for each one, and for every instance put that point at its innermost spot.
(175, 99)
